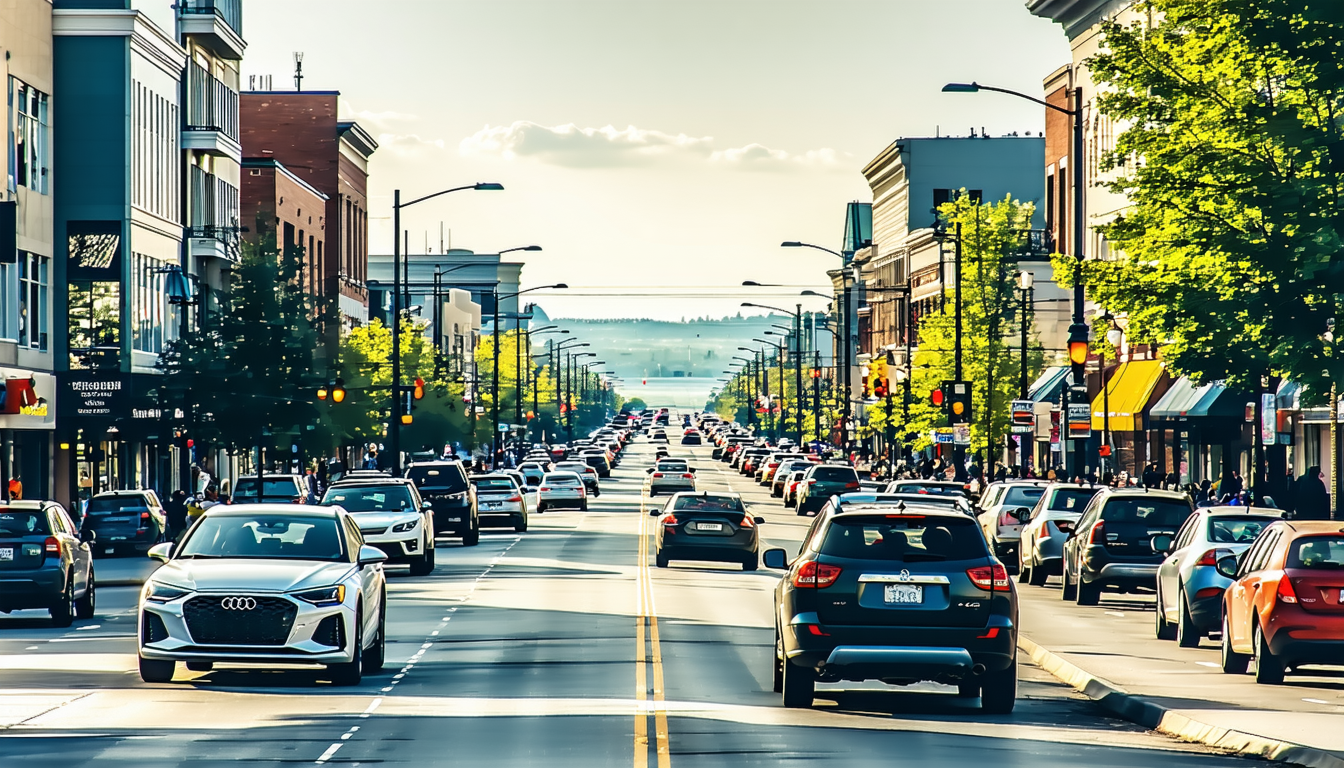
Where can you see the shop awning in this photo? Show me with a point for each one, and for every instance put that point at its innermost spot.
(1047, 387)
(1187, 400)
(1127, 391)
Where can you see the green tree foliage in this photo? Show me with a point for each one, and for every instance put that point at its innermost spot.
(636, 404)
(991, 239)
(251, 367)
(1232, 157)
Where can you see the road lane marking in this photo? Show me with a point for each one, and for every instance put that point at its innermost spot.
(648, 655)
(328, 754)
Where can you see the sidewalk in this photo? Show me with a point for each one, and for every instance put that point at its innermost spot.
(1109, 652)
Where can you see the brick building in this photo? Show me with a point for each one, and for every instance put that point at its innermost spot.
(278, 202)
(302, 132)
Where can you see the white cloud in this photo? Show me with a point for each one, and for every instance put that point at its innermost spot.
(408, 143)
(570, 145)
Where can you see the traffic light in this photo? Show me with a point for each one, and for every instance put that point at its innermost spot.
(1078, 352)
(939, 396)
(338, 392)
(959, 403)
(407, 403)
(880, 387)
(419, 391)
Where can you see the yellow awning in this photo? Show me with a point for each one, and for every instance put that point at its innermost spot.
(1127, 391)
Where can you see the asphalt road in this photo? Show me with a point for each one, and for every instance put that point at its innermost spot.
(558, 647)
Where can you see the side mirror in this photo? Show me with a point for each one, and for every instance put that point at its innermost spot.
(1023, 514)
(775, 559)
(691, 470)
(88, 535)
(425, 506)
(758, 520)
(1227, 566)
(648, 471)
(655, 512)
(161, 552)
(1162, 543)
(370, 555)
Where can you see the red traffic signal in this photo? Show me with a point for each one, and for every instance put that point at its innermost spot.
(880, 388)
(938, 397)
(419, 391)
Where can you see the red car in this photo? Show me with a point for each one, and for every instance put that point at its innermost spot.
(1285, 608)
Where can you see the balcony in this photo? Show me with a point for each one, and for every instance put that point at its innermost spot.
(213, 229)
(211, 116)
(215, 24)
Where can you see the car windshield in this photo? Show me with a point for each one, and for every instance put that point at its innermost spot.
(708, 504)
(835, 474)
(492, 483)
(446, 477)
(108, 504)
(279, 488)
(379, 498)
(1022, 496)
(23, 523)
(1164, 513)
(1241, 529)
(561, 480)
(903, 537)
(1071, 499)
(1317, 553)
(264, 537)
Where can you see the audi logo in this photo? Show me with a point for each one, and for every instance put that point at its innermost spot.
(238, 603)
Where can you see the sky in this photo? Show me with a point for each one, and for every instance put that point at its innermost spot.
(658, 150)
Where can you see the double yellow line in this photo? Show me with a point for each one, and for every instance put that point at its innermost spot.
(648, 653)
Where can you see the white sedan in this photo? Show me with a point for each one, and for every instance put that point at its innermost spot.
(266, 584)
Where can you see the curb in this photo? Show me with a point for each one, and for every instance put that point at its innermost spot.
(135, 582)
(1137, 709)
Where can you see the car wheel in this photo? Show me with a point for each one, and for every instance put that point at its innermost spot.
(583, 506)
(424, 564)
(1023, 572)
(472, 537)
(63, 611)
(1163, 628)
(652, 493)
(541, 507)
(751, 562)
(659, 559)
(157, 671)
(521, 525)
(1069, 591)
(1187, 634)
(779, 663)
(1268, 668)
(352, 671)
(799, 686)
(1233, 663)
(200, 666)
(1088, 594)
(1039, 575)
(377, 653)
(85, 606)
(998, 690)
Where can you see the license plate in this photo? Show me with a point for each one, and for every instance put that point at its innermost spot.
(109, 550)
(709, 526)
(904, 594)
(7, 553)
(117, 520)
(493, 504)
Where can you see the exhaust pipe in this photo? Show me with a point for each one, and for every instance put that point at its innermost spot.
(978, 669)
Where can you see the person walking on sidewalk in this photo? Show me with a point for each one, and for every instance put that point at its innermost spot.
(1311, 501)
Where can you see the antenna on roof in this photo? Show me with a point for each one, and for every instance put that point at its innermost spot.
(298, 71)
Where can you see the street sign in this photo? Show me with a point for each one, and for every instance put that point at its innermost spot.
(1018, 429)
(961, 435)
(942, 437)
(1080, 421)
(1024, 414)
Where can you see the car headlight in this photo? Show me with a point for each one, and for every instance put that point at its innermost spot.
(406, 526)
(162, 593)
(324, 596)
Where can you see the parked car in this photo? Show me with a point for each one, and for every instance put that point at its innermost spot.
(561, 489)
(823, 481)
(266, 584)
(444, 485)
(1111, 547)
(500, 500)
(1001, 512)
(1285, 607)
(274, 489)
(670, 476)
(126, 521)
(45, 563)
(707, 526)
(391, 516)
(1189, 587)
(899, 597)
(1041, 543)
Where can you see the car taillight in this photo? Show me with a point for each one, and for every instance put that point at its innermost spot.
(52, 545)
(515, 498)
(991, 578)
(1286, 593)
(1006, 519)
(851, 486)
(747, 522)
(814, 575)
(688, 476)
(668, 519)
(1064, 526)
(811, 482)
(544, 488)
(657, 474)
(582, 491)
(1211, 557)
(1097, 530)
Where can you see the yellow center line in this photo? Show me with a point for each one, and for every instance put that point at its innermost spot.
(644, 658)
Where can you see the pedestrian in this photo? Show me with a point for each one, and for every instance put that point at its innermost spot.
(15, 489)
(370, 459)
(176, 512)
(1173, 482)
(1226, 484)
(310, 482)
(1311, 500)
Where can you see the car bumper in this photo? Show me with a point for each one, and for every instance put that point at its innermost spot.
(1206, 612)
(666, 487)
(1124, 575)
(22, 590)
(917, 653)
(396, 546)
(551, 500)
(1047, 548)
(452, 520)
(299, 648)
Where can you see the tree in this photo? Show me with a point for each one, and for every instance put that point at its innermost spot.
(252, 367)
(1231, 158)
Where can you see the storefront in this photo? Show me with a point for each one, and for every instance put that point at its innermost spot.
(1118, 411)
(27, 423)
(120, 436)
(1204, 430)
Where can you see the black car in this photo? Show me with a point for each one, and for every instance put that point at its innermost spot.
(44, 562)
(707, 526)
(691, 438)
(597, 459)
(1111, 546)
(900, 597)
(126, 521)
(444, 485)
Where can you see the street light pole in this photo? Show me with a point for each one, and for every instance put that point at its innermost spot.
(495, 444)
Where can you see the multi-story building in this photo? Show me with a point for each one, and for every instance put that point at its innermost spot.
(27, 248)
(278, 203)
(303, 131)
(478, 273)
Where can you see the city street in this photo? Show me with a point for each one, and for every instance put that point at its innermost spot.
(560, 646)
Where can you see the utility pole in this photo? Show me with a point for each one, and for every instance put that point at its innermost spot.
(798, 372)
(958, 450)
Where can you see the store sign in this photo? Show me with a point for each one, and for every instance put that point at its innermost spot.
(1269, 419)
(94, 395)
(1080, 421)
(1024, 415)
(942, 437)
(961, 435)
(26, 399)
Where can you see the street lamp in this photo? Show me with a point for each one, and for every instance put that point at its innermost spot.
(850, 279)
(531, 372)
(1078, 332)
(394, 423)
(494, 369)
(560, 349)
(797, 363)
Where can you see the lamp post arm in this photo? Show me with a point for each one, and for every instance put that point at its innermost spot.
(431, 197)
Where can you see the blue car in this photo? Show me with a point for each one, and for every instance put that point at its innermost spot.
(45, 562)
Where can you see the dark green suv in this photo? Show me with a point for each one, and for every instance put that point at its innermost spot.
(821, 483)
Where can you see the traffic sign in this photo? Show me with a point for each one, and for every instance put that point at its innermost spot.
(1024, 414)
(1080, 421)
(961, 435)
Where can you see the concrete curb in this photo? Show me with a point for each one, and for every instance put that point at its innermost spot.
(1151, 715)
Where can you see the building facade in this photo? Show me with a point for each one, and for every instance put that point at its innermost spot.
(278, 204)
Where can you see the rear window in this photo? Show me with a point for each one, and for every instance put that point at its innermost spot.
(109, 504)
(835, 474)
(14, 523)
(1163, 513)
(381, 498)
(1071, 499)
(708, 504)
(1022, 496)
(672, 466)
(1315, 553)
(570, 466)
(449, 477)
(492, 483)
(1237, 530)
(561, 480)
(280, 488)
(909, 538)
(929, 488)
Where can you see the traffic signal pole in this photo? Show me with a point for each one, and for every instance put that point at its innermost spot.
(958, 450)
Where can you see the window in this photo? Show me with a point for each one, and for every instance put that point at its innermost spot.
(95, 321)
(904, 538)
(150, 326)
(942, 196)
(29, 138)
(32, 325)
(9, 304)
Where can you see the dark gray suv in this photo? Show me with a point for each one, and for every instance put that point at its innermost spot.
(44, 562)
(444, 485)
(1111, 547)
